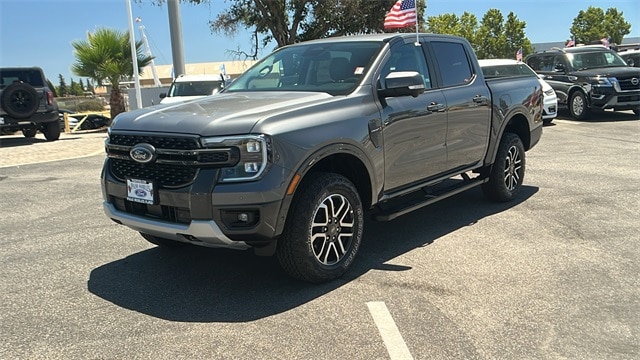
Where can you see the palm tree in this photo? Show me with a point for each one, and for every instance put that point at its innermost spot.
(106, 55)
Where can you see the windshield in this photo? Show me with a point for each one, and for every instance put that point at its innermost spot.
(596, 59)
(10, 76)
(195, 88)
(335, 68)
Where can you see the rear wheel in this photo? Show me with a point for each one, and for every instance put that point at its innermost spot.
(324, 229)
(163, 242)
(578, 106)
(507, 172)
(51, 130)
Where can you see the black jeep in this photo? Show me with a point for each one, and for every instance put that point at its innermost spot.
(27, 103)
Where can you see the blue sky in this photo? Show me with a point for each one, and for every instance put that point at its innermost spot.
(40, 32)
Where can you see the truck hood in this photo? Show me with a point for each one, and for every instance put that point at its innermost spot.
(223, 114)
(621, 71)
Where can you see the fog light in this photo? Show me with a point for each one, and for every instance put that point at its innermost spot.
(240, 218)
(251, 167)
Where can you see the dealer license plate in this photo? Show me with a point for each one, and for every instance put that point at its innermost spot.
(140, 191)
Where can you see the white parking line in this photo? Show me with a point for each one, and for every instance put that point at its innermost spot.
(569, 122)
(396, 347)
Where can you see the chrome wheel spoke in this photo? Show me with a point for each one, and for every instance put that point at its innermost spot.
(332, 229)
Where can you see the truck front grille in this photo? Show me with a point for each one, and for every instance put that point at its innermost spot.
(166, 176)
(626, 83)
(176, 162)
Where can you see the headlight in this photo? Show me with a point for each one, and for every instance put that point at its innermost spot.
(600, 81)
(254, 151)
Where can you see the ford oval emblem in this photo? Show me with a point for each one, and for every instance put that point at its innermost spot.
(141, 193)
(143, 153)
(635, 81)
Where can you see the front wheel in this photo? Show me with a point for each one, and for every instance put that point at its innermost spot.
(507, 172)
(578, 106)
(324, 229)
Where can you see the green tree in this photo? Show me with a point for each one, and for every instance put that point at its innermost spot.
(594, 24)
(62, 90)
(81, 84)
(75, 88)
(465, 26)
(90, 86)
(492, 35)
(288, 21)
(492, 38)
(515, 37)
(106, 57)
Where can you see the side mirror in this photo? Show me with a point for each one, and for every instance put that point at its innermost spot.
(163, 95)
(403, 83)
(631, 63)
(558, 68)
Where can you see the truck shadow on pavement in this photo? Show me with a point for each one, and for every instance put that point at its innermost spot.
(197, 284)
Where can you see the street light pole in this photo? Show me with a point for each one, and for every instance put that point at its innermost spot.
(175, 29)
(134, 57)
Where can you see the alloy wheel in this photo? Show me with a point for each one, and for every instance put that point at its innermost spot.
(332, 229)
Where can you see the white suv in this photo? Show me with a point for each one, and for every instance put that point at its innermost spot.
(507, 67)
(189, 87)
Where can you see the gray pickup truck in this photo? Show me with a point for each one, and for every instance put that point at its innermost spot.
(288, 157)
(27, 103)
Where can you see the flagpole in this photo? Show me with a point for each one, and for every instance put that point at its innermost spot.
(417, 36)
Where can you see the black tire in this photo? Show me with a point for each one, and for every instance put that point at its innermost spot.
(51, 130)
(20, 100)
(507, 172)
(162, 242)
(323, 231)
(578, 106)
(636, 111)
(29, 132)
(547, 121)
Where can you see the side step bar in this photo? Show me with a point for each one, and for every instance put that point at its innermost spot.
(390, 213)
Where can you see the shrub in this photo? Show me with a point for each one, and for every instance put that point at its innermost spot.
(90, 105)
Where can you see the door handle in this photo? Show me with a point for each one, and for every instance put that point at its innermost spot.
(478, 99)
(435, 107)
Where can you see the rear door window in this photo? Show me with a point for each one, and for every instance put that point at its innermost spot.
(453, 62)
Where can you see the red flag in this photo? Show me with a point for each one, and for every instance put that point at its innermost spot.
(402, 14)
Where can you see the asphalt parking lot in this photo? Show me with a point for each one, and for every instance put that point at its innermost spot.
(552, 275)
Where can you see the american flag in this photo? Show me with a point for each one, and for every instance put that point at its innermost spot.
(519, 54)
(606, 42)
(402, 14)
(571, 42)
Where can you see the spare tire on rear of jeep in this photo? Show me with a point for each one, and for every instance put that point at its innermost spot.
(20, 100)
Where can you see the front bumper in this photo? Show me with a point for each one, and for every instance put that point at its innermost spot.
(607, 98)
(203, 212)
(200, 232)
